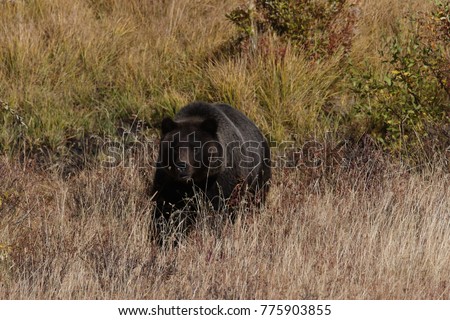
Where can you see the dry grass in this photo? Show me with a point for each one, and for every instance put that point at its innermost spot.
(381, 237)
(83, 66)
(381, 20)
(78, 67)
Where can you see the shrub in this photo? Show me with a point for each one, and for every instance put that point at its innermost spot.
(408, 107)
(305, 23)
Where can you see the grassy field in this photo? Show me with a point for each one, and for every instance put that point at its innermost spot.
(374, 223)
(363, 234)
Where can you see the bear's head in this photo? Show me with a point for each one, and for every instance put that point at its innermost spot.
(190, 150)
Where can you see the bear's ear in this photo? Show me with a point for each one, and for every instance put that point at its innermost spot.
(168, 125)
(209, 125)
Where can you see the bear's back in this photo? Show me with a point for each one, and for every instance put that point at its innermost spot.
(232, 124)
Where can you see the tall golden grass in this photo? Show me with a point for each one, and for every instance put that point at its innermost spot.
(74, 67)
(371, 235)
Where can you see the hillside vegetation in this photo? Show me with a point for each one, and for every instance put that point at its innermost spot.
(363, 86)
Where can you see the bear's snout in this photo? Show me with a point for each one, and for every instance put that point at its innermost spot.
(182, 170)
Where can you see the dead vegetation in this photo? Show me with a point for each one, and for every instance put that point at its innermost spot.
(356, 234)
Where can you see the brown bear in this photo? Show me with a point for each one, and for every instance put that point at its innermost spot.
(212, 150)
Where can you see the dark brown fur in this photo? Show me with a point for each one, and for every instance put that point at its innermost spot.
(209, 149)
